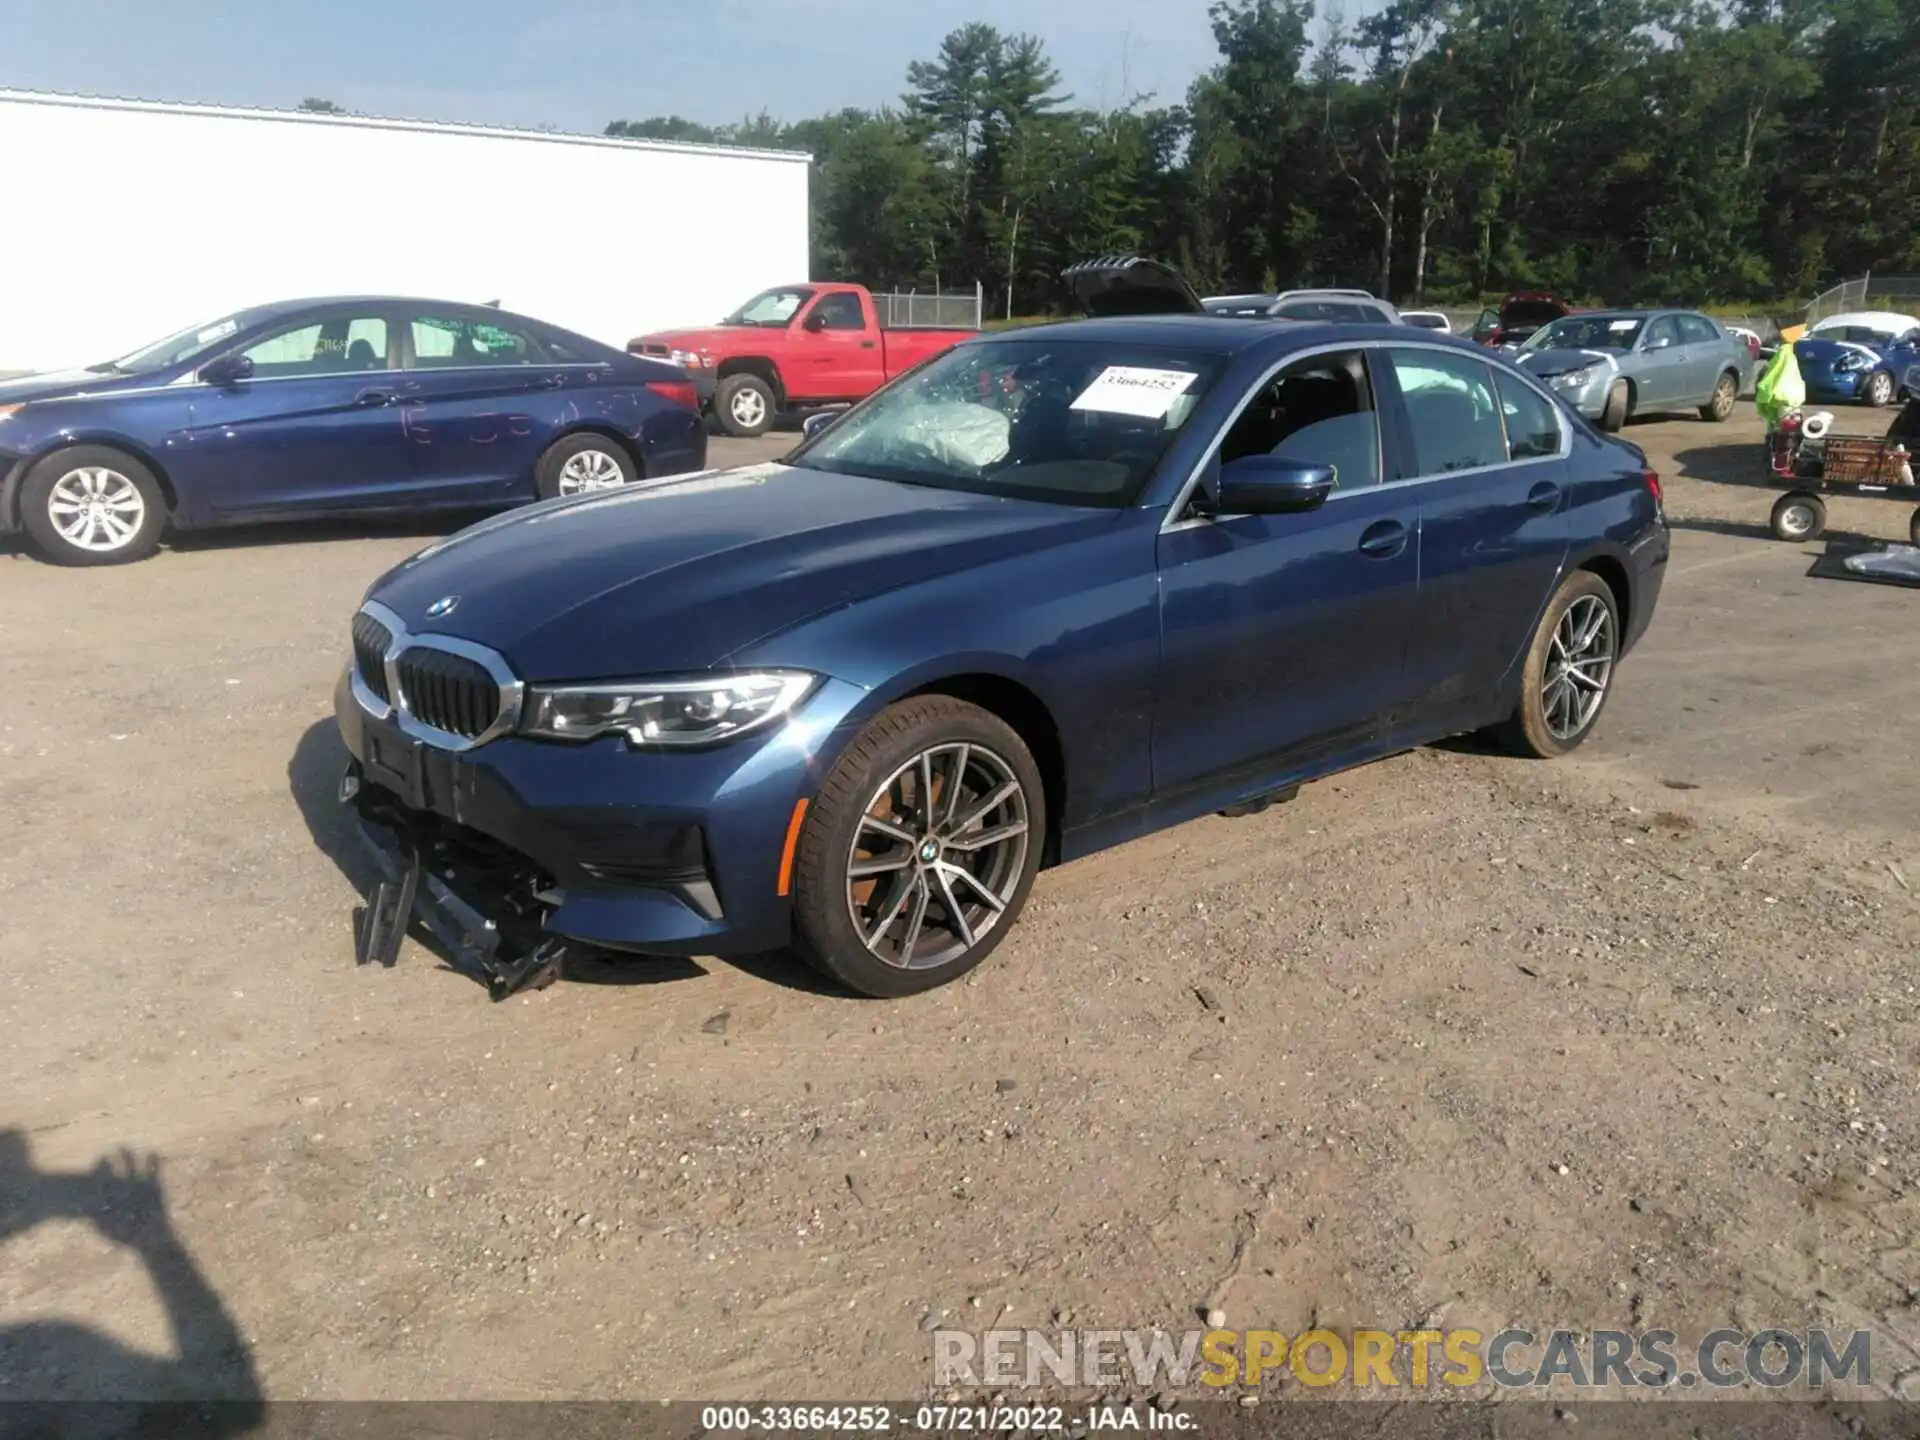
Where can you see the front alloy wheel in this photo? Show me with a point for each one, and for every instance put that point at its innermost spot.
(937, 855)
(1878, 389)
(92, 505)
(917, 855)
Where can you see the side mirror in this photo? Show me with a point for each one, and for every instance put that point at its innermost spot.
(227, 370)
(816, 321)
(1268, 485)
(818, 421)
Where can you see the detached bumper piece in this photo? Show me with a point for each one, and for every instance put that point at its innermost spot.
(482, 905)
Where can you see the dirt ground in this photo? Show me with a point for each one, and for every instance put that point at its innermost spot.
(1627, 1040)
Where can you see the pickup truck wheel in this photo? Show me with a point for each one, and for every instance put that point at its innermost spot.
(916, 858)
(92, 505)
(745, 405)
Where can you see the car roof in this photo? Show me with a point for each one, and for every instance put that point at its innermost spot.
(1869, 319)
(1205, 334)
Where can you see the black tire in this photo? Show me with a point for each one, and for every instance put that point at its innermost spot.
(128, 494)
(1614, 414)
(1725, 392)
(1798, 515)
(581, 464)
(1913, 528)
(824, 891)
(1877, 389)
(1531, 730)
(745, 406)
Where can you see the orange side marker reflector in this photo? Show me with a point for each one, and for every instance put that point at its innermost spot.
(793, 842)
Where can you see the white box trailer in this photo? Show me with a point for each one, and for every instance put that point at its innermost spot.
(136, 219)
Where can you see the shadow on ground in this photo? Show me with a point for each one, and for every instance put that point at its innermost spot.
(76, 1380)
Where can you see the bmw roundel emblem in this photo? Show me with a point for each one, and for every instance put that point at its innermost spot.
(445, 605)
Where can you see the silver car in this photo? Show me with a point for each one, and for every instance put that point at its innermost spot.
(1347, 307)
(1612, 364)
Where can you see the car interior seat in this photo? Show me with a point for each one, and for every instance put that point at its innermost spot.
(361, 356)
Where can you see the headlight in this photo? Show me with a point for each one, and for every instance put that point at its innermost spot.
(1853, 360)
(697, 710)
(1574, 379)
(688, 359)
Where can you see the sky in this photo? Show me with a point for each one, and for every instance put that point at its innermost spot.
(573, 65)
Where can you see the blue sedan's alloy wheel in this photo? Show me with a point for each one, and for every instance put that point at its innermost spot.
(919, 852)
(1568, 669)
(1877, 389)
(93, 505)
(581, 465)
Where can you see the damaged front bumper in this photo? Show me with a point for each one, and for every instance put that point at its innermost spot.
(486, 909)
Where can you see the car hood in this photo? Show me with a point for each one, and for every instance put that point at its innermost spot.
(1548, 363)
(679, 574)
(1826, 352)
(706, 338)
(63, 384)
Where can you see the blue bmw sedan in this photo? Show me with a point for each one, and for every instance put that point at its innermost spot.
(1048, 592)
(331, 408)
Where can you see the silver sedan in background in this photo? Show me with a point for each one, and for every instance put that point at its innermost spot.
(1612, 364)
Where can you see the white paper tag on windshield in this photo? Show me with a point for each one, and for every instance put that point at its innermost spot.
(1134, 390)
(1621, 324)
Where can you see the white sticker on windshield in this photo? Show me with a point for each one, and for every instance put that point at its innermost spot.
(1134, 390)
(1621, 324)
(216, 332)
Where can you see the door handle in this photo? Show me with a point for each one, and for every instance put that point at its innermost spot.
(368, 399)
(1383, 539)
(1544, 497)
(866, 344)
(551, 382)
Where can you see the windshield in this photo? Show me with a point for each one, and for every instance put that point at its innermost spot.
(771, 307)
(1588, 332)
(172, 350)
(1073, 423)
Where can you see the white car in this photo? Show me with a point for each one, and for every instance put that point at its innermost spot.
(1428, 320)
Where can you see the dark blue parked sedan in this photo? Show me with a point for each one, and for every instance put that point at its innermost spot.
(327, 408)
(1048, 592)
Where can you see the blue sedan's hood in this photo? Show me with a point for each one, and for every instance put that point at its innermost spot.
(680, 574)
(1824, 353)
(62, 384)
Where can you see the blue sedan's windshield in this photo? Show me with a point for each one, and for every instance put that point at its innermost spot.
(1071, 422)
(172, 350)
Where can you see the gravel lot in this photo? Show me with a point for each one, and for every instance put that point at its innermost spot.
(1625, 1040)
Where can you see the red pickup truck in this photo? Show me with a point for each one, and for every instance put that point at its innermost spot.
(793, 348)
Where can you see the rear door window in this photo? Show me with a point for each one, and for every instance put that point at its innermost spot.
(1697, 330)
(1533, 425)
(1455, 418)
(442, 342)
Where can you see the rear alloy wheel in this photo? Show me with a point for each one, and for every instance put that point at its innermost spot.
(1720, 406)
(92, 505)
(1614, 414)
(580, 465)
(1569, 669)
(1798, 515)
(745, 405)
(918, 855)
(1877, 389)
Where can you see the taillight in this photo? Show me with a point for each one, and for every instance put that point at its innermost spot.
(1651, 479)
(680, 392)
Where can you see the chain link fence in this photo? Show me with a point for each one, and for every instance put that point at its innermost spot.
(1899, 293)
(938, 310)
